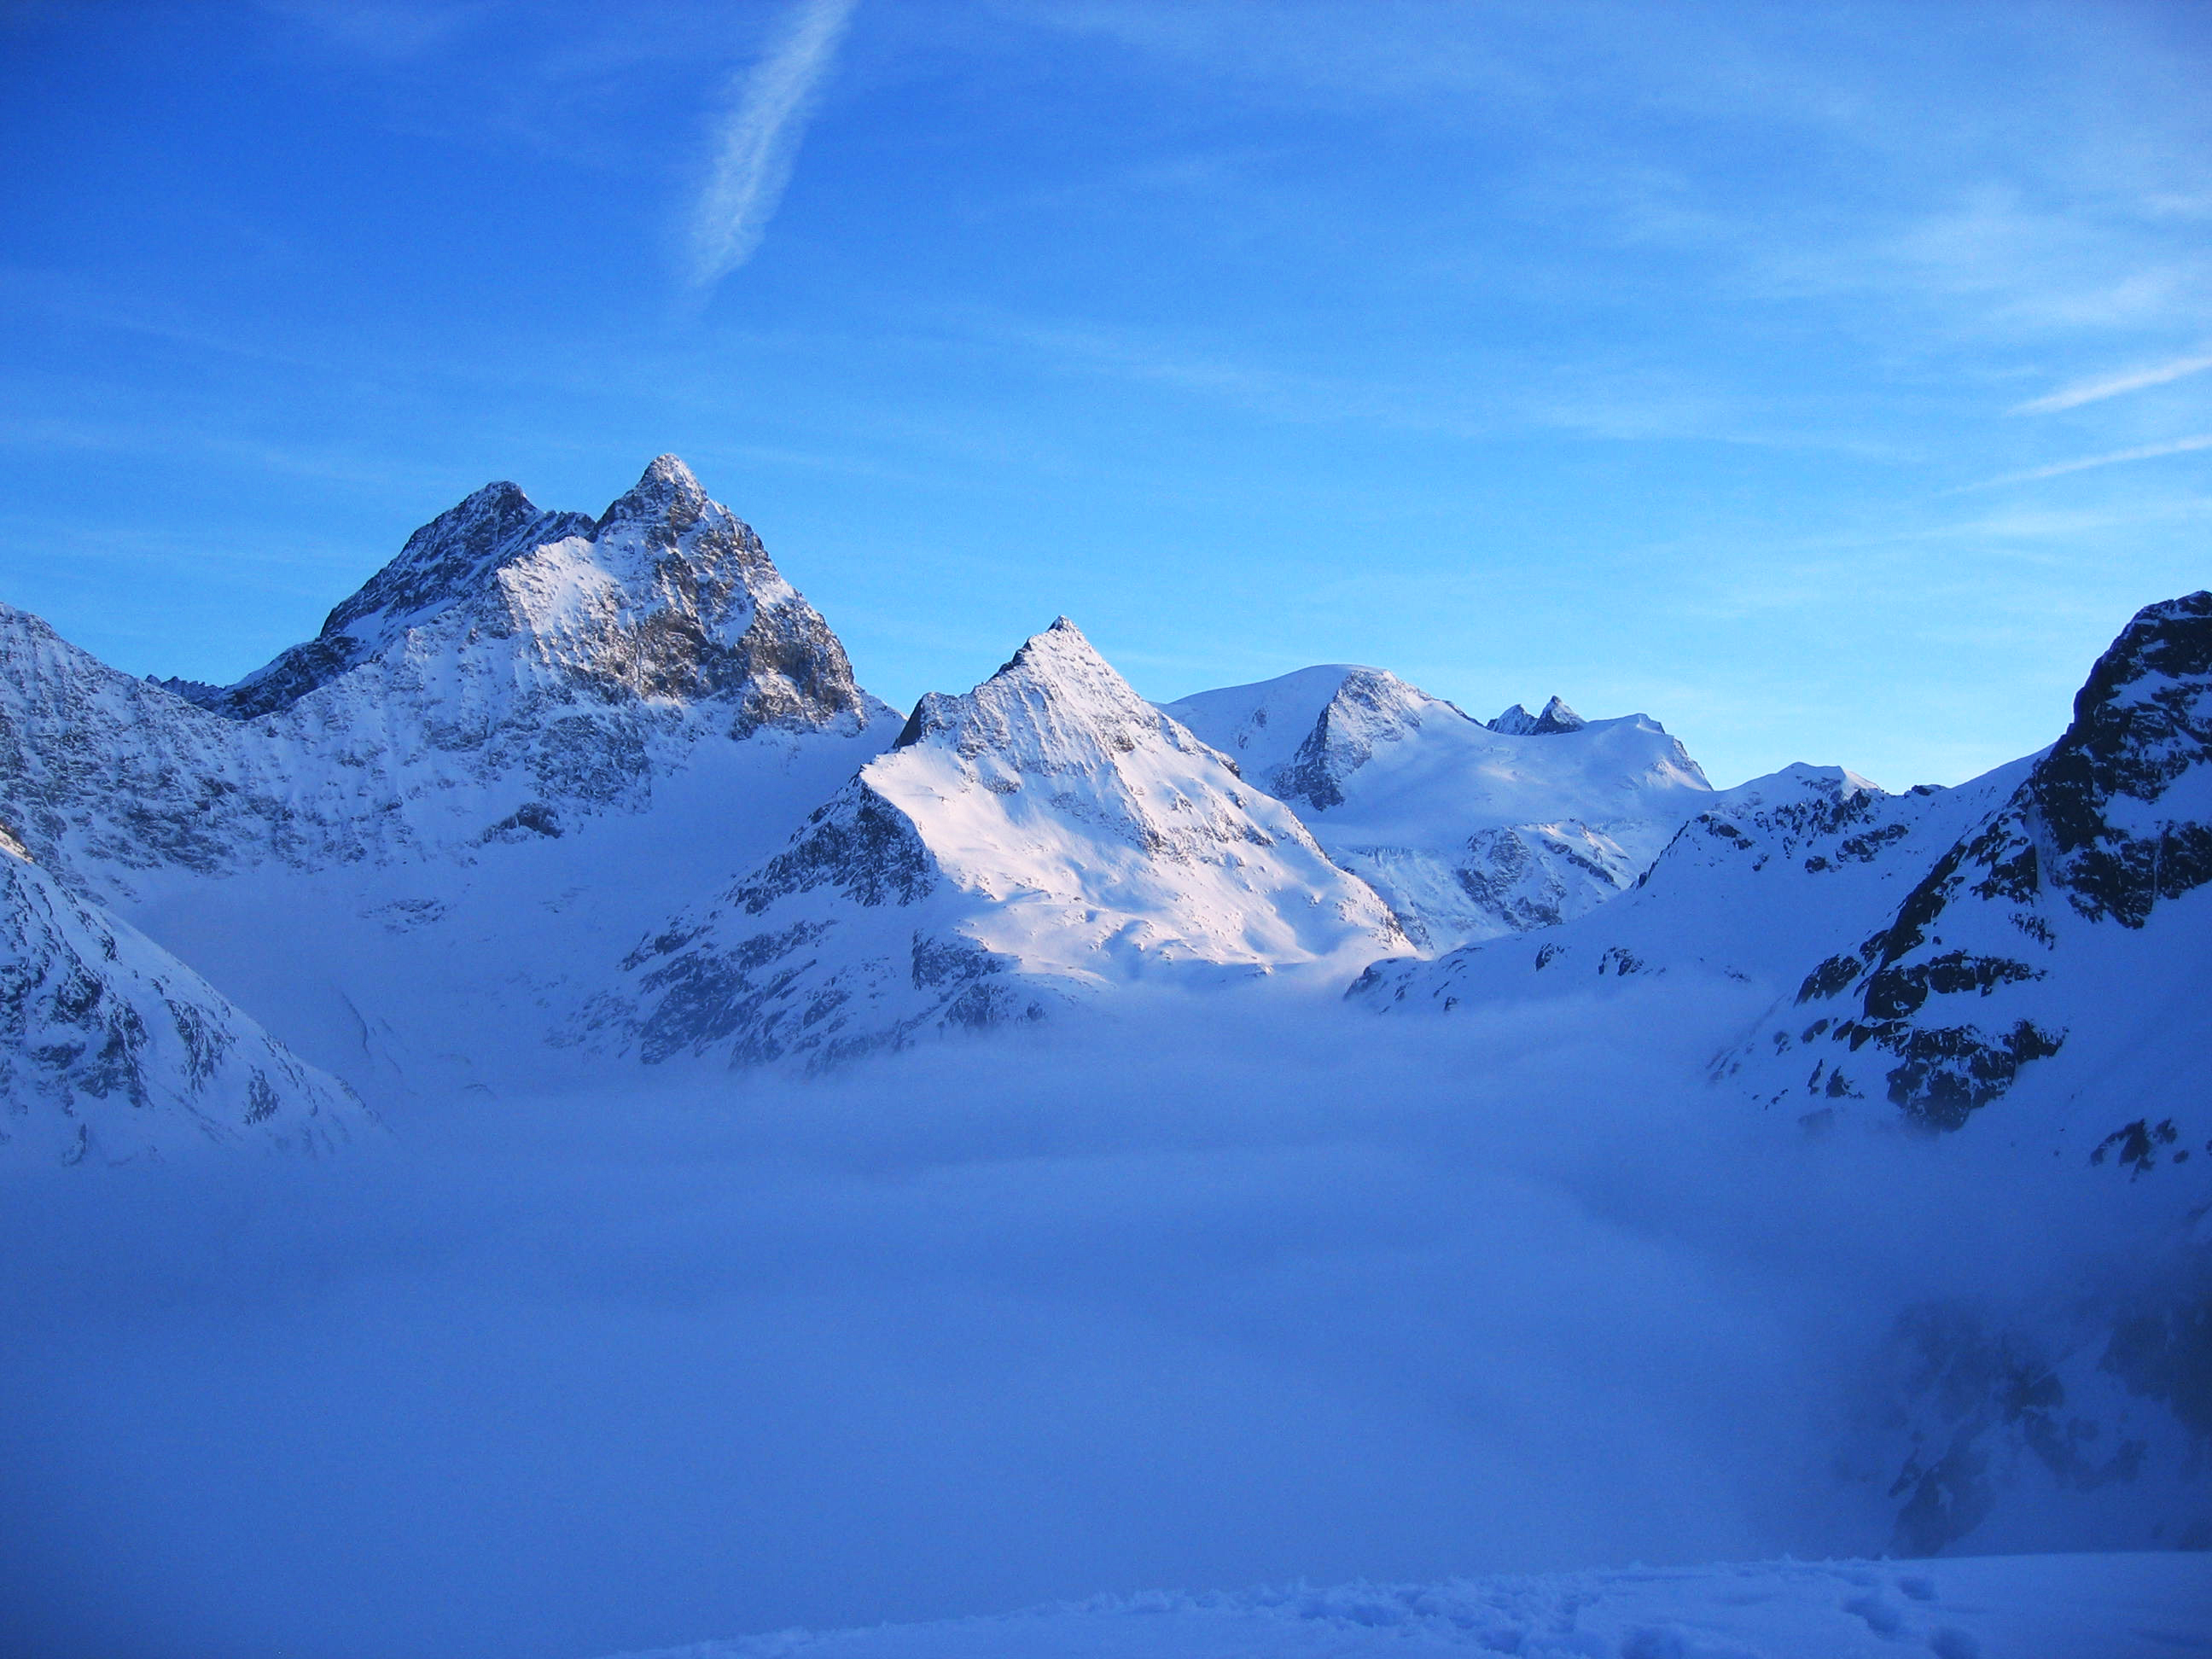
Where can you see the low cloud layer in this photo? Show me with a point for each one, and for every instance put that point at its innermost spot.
(977, 1329)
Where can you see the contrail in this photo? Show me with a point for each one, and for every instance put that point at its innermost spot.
(2090, 392)
(759, 139)
(2147, 452)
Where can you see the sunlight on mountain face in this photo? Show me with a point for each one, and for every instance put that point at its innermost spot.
(548, 1120)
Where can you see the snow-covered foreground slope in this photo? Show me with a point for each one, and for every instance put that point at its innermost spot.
(1469, 830)
(112, 1049)
(2053, 1606)
(1046, 836)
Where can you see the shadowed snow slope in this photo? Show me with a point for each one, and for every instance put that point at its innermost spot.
(2076, 1607)
(1046, 835)
(1470, 831)
(2078, 905)
(110, 1049)
(410, 845)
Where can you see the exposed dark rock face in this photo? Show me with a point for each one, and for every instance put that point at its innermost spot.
(696, 611)
(2109, 824)
(1018, 847)
(506, 656)
(860, 844)
(2142, 723)
(455, 554)
(1370, 708)
(1556, 717)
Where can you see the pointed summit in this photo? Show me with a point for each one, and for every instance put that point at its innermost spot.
(665, 494)
(1047, 833)
(1054, 705)
(666, 596)
(1518, 722)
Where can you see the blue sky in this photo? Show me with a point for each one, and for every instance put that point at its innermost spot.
(1830, 382)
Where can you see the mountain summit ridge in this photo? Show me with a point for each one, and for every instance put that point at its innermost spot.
(1024, 845)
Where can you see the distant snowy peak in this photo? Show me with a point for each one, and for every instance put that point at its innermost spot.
(1044, 835)
(666, 596)
(1300, 736)
(112, 1049)
(1557, 717)
(1467, 830)
(1793, 783)
(448, 560)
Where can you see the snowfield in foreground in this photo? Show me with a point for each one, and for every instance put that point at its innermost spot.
(2033, 1607)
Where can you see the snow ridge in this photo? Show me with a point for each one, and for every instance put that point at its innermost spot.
(510, 672)
(1469, 832)
(1045, 834)
(1965, 984)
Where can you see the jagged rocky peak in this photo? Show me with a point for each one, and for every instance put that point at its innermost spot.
(666, 596)
(1557, 717)
(2126, 794)
(2025, 920)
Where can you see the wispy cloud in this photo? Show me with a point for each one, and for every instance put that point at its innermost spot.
(2090, 392)
(2145, 452)
(759, 139)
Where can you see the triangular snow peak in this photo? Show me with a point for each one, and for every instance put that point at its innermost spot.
(1055, 704)
(1054, 772)
(1045, 834)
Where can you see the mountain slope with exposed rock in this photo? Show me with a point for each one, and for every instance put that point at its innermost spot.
(111, 1049)
(1044, 836)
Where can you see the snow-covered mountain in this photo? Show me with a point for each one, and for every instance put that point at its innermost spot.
(1555, 717)
(523, 742)
(510, 673)
(1925, 951)
(112, 1049)
(1469, 832)
(1044, 836)
(2077, 903)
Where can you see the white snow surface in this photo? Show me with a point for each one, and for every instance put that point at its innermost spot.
(2046, 1606)
(1044, 837)
(1468, 832)
(112, 1049)
(1772, 876)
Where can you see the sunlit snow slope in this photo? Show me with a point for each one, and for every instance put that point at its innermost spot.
(412, 843)
(1469, 832)
(1045, 837)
